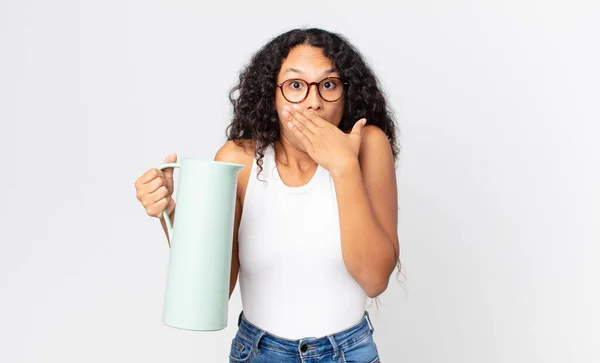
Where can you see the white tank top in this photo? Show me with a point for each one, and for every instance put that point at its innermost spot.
(293, 280)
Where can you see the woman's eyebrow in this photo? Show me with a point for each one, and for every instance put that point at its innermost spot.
(328, 71)
(293, 70)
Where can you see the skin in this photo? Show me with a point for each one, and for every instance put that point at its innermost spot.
(360, 162)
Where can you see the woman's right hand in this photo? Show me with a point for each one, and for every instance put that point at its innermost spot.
(154, 189)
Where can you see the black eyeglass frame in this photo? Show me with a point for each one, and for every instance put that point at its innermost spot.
(280, 86)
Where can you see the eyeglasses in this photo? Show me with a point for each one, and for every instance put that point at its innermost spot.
(296, 90)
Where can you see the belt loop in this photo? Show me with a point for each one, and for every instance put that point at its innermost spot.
(257, 340)
(371, 328)
(336, 350)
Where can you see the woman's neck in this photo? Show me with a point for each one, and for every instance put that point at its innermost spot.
(291, 157)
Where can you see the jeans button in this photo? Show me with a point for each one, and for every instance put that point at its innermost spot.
(303, 348)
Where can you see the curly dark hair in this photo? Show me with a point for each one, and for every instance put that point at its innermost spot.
(253, 98)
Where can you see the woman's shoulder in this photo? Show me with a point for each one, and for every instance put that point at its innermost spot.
(239, 151)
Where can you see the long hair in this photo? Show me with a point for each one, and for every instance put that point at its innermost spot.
(253, 98)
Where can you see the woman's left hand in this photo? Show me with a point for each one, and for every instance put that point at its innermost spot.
(326, 144)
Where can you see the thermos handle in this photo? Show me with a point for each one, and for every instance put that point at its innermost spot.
(165, 214)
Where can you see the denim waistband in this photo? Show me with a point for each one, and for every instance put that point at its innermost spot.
(306, 347)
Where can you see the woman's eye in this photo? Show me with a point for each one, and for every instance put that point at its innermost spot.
(295, 85)
(329, 85)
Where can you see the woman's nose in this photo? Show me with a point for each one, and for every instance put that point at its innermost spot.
(313, 99)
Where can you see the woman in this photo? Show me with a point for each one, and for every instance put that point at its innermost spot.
(316, 212)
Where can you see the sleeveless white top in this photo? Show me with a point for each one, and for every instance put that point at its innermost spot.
(293, 280)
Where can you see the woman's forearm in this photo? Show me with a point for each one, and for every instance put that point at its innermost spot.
(367, 250)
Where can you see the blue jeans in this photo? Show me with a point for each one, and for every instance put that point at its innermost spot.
(353, 345)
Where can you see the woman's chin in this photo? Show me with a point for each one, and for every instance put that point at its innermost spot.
(298, 145)
(291, 138)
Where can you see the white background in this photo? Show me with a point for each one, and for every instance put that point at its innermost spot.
(497, 103)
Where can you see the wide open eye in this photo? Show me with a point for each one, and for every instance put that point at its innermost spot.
(329, 85)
